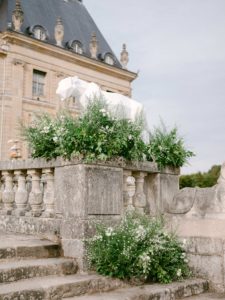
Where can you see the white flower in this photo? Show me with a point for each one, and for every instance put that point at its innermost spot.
(45, 129)
(130, 137)
(179, 273)
(97, 238)
(140, 232)
(109, 231)
(184, 242)
(144, 258)
(55, 139)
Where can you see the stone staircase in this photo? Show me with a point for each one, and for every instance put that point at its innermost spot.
(32, 268)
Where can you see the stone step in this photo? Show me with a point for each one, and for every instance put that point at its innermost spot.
(21, 246)
(178, 290)
(208, 296)
(22, 269)
(57, 287)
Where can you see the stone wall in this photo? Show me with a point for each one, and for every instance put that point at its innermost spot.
(198, 216)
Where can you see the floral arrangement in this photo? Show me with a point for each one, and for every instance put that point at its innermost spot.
(98, 135)
(138, 248)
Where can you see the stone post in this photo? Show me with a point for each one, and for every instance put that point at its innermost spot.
(140, 197)
(35, 197)
(49, 195)
(21, 197)
(8, 195)
(126, 174)
(130, 193)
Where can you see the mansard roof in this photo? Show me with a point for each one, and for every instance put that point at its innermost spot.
(78, 24)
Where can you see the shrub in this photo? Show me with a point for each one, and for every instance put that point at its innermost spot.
(94, 135)
(98, 135)
(166, 148)
(137, 248)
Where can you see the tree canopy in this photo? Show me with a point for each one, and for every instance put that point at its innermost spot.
(199, 179)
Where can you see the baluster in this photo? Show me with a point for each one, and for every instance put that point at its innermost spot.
(21, 197)
(8, 195)
(1, 190)
(130, 192)
(36, 196)
(140, 197)
(126, 173)
(49, 195)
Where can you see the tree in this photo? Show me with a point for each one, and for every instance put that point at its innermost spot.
(199, 179)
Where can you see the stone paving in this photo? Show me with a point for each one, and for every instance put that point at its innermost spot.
(208, 296)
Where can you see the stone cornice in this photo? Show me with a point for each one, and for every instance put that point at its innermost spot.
(61, 53)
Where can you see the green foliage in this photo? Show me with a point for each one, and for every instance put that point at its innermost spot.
(199, 179)
(166, 148)
(95, 135)
(139, 248)
(98, 135)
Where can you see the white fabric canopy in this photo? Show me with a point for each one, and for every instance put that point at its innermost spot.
(120, 105)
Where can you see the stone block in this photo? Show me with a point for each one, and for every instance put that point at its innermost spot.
(205, 246)
(83, 190)
(104, 190)
(75, 248)
(210, 267)
(169, 186)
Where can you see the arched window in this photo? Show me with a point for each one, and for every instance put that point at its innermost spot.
(109, 59)
(38, 32)
(76, 46)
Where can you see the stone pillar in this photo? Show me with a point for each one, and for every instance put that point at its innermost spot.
(140, 197)
(8, 195)
(126, 174)
(130, 192)
(49, 194)
(35, 197)
(21, 197)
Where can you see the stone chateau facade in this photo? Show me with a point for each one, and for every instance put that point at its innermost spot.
(42, 42)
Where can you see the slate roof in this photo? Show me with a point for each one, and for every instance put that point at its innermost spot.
(78, 24)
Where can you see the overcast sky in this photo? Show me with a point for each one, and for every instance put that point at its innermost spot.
(178, 47)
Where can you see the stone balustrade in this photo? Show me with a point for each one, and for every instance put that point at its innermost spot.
(61, 199)
(28, 192)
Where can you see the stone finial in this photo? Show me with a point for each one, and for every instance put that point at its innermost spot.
(93, 46)
(59, 32)
(17, 16)
(124, 57)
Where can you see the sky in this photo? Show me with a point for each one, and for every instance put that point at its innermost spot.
(178, 49)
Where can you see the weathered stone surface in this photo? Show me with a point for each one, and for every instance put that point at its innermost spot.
(58, 287)
(25, 246)
(182, 201)
(152, 292)
(90, 190)
(160, 190)
(210, 267)
(48, 228)
(104, 190)
(23, 269)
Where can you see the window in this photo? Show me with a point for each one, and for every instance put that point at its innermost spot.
(38, 32)
(77, 47)
(38, 83)
(109, 59)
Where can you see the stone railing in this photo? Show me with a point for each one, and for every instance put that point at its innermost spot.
(28, 192)
(59, 199)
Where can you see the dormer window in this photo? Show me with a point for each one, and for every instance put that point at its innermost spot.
(109, 59)
(38, 32)
(75, 46)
